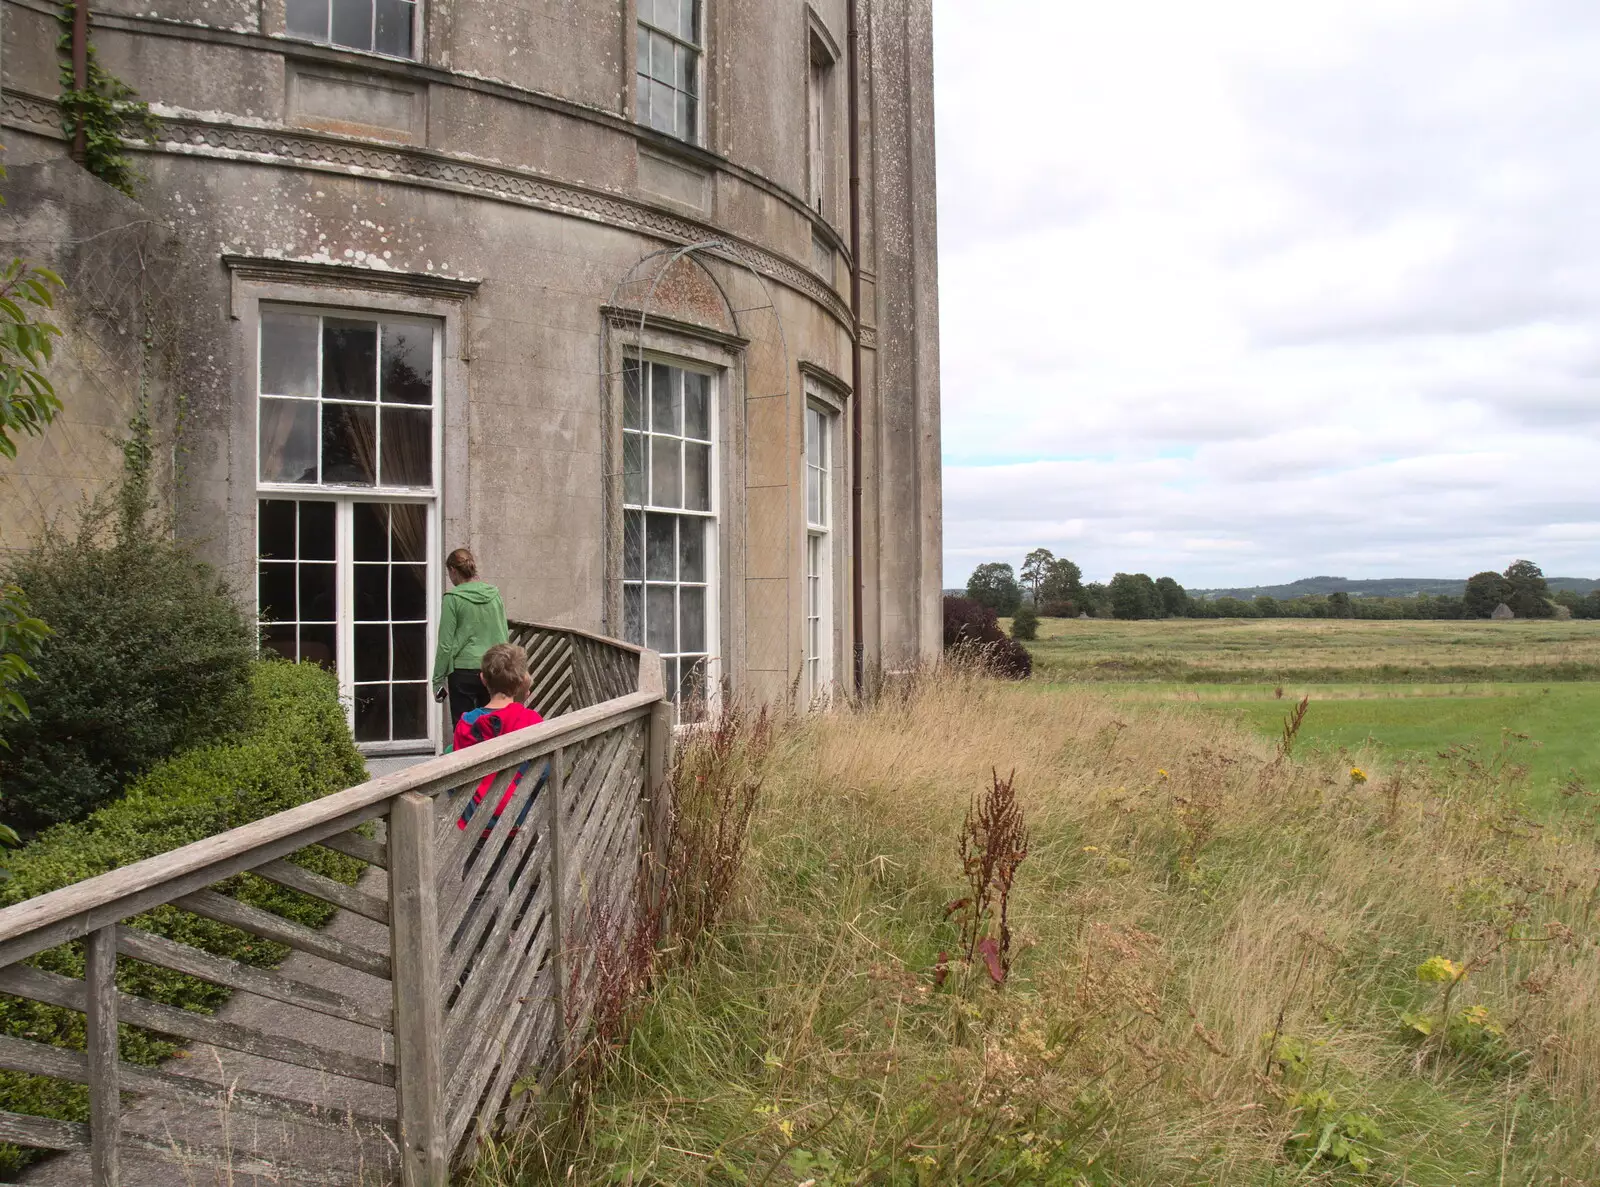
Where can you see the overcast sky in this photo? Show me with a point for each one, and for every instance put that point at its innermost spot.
(1240, 291)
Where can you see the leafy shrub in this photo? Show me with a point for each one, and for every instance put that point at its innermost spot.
(1025, 623)
(972, 631)
(298, 750)
(148, 654)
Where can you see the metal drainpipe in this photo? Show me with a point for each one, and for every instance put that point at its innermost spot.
(852, 38)
(80, 72)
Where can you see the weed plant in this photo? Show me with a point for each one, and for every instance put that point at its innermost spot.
(1215, 970)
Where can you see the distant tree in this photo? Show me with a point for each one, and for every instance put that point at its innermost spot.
(995, 586)
(1484, 592)
(1173, 597)
(1035, 567)
(1529, 597)
(1025, 622)
(1339, 605)
(1267, 606)
(1133, 596)
(1097, 600)
(1234, 608)
(1061, 589)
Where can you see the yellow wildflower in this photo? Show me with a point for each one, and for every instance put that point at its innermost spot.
(1357, 775)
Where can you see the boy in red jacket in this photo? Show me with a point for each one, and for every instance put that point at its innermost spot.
(505, 674)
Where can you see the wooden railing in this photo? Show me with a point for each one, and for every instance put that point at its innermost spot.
(573, 669)
(451, 979)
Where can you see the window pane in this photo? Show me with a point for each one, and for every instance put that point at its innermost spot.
(682, 127)
(288, 441)
(408, 593)
(372, 593)
(691, 550)
(661, 107)
(275, 592)
(692, 688)
(352, 23)
(641, 87)
(275, 537)
(316, 531)
(411, 651)
(661, 547)
(393, 32)
(813, 495)
(281, 639)
(661, 618)
(813, 439)
(665, 407)
(641, 42)
(661, 58)
(633, 546)
(409, 522)
(409, 704)
(697, 405)
(692, 610)
(665, 14)
(372, 713)
(691, 129)
(349, 359)
(349, 443)
(371, 532)
(633, 613)
(689, 20)
(666, 479)
(407, 447)
(696, 476)
(317, 603)
(318, 645)
(288, 354)
(308, 18)
(633, 488)
(683, 73)
(407, 363)
(372, 652)
(632, 397)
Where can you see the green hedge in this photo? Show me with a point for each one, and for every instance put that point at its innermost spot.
(298, 749)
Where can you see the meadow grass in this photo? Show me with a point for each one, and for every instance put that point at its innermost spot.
(1216, 976)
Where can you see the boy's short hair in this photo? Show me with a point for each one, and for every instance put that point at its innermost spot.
(505, 670)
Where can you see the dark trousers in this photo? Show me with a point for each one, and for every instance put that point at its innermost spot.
(466, 692)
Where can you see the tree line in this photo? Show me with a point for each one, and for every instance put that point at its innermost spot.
(1053, 587)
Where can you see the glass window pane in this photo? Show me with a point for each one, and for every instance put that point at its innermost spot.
(665, 14)
(319, 645)
(288, 354)
(633, 546)
(282, 639)
(696, 476)
(275, 536)
(666, 478)
(633, 614)
(409, 522)
(633, 476)
(691, 550)
(641, 88)
(372, 712)
(411, 651)
(275, 587)
(371, 531)
(288, 441)
(661, 58)
(308, 18)
(666, 408)
(349, 359)
(692, 618)
(372, 593)
(813, 495)
(392, 32)
(317, 602)
(661, 107)
(632, 396)
(689, 20)
(682, 127)
(352, 23)
(407, 363)
(691, 130)
(408, 593)
(661, 547)
(692, 688)
(683, 71)
(409, 704)
(349, 443)
(316, 531)
(697, 405)
(407, 447)
(641, 41)
(372, 652)
(661, 625)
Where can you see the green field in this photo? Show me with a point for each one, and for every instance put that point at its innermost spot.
(1385, 691)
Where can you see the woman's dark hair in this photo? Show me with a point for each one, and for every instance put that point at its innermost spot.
(460, 561)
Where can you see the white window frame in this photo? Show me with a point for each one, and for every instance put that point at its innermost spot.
(327, 38)
(346, 495)
(645, 30)
(817, 645)
(711, 518)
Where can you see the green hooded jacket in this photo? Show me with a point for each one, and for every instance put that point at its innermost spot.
(472, 621)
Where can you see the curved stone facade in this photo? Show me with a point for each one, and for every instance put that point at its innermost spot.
(498, 190)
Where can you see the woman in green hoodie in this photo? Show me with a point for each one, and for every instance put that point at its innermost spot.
(472, 621)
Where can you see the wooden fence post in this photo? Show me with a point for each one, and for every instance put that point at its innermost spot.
(105, 1101)
(418, 1016)
(657, 798)
(553, 796)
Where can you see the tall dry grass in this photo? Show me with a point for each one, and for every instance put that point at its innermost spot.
(1214, 971)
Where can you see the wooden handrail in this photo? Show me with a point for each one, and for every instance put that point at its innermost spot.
(517, 624)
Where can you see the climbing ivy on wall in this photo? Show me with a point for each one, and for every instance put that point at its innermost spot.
(108, 110)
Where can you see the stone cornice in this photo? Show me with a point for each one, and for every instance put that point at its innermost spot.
(622, 318)
(334, 275)
(192, 136)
